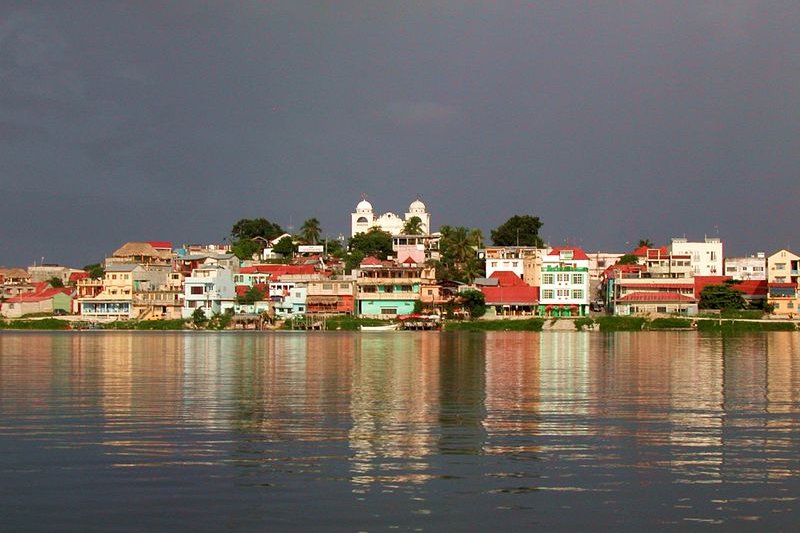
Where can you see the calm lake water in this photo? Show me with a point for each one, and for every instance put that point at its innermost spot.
(406, 430)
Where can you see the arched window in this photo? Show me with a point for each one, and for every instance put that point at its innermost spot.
(362, 220)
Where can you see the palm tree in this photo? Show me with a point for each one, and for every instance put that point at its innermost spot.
(311, 230)
(645, 242)
(476, 237)
(413, 226)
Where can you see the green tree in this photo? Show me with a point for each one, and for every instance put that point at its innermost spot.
(457, 251)
(286, 247)
(249, 236)
(519, 230)
(413, 226)
(253, 295)
(374, 242)
(246, 248)
(95, 270)
(311, 230)
(199, 318)
(473, 302)
(645, 242)
(721, 297)
(628, 259)
(250, 228)
(55, 282)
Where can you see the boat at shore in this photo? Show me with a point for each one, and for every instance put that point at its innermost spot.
(386, 327)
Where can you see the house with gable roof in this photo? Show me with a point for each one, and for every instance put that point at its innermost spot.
(564, 289)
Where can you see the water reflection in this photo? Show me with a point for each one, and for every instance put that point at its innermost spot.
(507, 414)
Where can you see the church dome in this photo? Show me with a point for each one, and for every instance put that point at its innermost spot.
(364, 205)
(416, 206)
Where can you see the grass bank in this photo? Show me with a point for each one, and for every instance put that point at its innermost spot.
(46, 323)
(531, 324)
(738, 326)
(148, 325)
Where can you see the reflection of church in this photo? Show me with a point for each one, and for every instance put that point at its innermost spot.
(364, 218)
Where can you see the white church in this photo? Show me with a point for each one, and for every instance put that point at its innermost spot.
(365, 218)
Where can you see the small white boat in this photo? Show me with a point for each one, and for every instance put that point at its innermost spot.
(387, 327)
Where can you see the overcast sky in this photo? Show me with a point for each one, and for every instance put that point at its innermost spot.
(611, 121)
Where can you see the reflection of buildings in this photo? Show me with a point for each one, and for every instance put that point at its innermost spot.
(512, 393)
(393, 407)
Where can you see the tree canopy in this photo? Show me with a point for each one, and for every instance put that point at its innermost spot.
(474, 302)
(721, 297)
(250, 236)
(374, 242)
(628, 259)
(519, 230)
(311, 230)
(458, 254)
(250, 228)
(286, 247)
(413, 226)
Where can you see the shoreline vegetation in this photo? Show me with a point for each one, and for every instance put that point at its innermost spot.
(724, 323)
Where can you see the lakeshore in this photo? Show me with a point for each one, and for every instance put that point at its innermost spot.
(536, 324)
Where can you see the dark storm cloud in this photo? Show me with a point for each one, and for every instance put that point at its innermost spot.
(612, 121)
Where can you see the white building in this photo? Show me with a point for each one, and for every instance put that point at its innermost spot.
(365, 218)
(748, 267)
(524, 261)
(209, 288)
(706, 257)
(565, 283)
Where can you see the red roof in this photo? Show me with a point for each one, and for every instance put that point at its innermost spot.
(75, 276)
(655, 285)
(577, 253)
(524, 295)
(642, 251)
(506, 278)
(656, 297)
(371, 261)
(751, 287)
(160, 244)
(278, 270)
(46, 294)
(782, 285)
(610, 272)
(409, 261)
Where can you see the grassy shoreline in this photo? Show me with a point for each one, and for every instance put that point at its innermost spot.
(536, 324)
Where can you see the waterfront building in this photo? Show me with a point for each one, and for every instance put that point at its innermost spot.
(365, 218)
(47, 300)
(564, 289)
(385, 289)
(783, 273)
(330, 296)
(209, 288)
(510, 296)
(751, 267)
(705, 257)
(121, 294)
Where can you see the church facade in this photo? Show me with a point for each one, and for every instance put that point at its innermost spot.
(365, 218)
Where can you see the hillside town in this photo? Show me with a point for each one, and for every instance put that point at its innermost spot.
(288, 276)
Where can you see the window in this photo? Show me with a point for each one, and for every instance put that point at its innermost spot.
(577, 279)
(494, 264)
(548, 294)
(563, 278)
(577, 294)
(389, 311)
(343, 286)
(661, 309)
(790, 305)
(780, 266)
(197, 290)
(327, 286)
(547, 279)
(563, 293)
